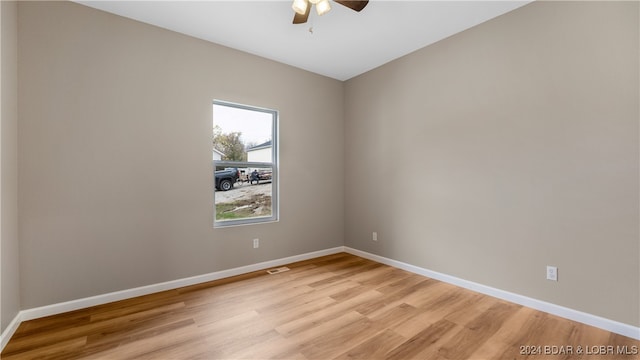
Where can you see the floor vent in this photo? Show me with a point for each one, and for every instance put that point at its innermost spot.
(278, 270)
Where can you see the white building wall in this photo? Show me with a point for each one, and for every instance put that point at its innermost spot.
(260, 155)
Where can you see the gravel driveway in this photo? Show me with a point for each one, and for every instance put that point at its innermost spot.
(242, 192)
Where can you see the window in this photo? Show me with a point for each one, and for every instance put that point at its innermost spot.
(245, 154)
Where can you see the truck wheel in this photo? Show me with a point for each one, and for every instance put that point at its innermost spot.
(226, 185)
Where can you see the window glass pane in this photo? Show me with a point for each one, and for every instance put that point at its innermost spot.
(251, 197)
(244, 148)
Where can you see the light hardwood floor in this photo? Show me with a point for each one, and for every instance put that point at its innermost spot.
(335, 307)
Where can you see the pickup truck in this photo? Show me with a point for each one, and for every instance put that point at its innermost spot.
(226, 178)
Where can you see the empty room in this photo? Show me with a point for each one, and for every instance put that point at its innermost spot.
(320, 179)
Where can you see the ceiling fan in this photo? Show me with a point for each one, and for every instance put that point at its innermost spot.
(303, 7)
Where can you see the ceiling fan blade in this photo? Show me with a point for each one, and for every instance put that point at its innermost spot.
(301, 19)
(353, 5)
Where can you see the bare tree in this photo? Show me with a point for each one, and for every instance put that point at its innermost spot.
(229, 144)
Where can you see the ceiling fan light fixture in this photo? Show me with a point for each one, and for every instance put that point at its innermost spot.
(303, 7)
(322, 7)
(300, 6)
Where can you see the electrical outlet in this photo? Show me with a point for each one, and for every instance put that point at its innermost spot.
(374, 236)
(256, 243)
(552, 273)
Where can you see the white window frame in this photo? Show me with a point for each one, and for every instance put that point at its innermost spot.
(275, 214)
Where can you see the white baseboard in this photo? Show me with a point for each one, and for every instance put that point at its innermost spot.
(567, 313)
(169, 285)
(10, 330)
(589, 319)
(48, 310)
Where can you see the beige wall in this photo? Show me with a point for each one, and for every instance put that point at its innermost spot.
(487, 156)
(506, 148)
(9, 246)
(115, 154)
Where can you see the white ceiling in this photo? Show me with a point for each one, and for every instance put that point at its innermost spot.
(343, 43)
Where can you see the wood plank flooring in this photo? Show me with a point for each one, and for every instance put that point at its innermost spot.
(335, 307)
